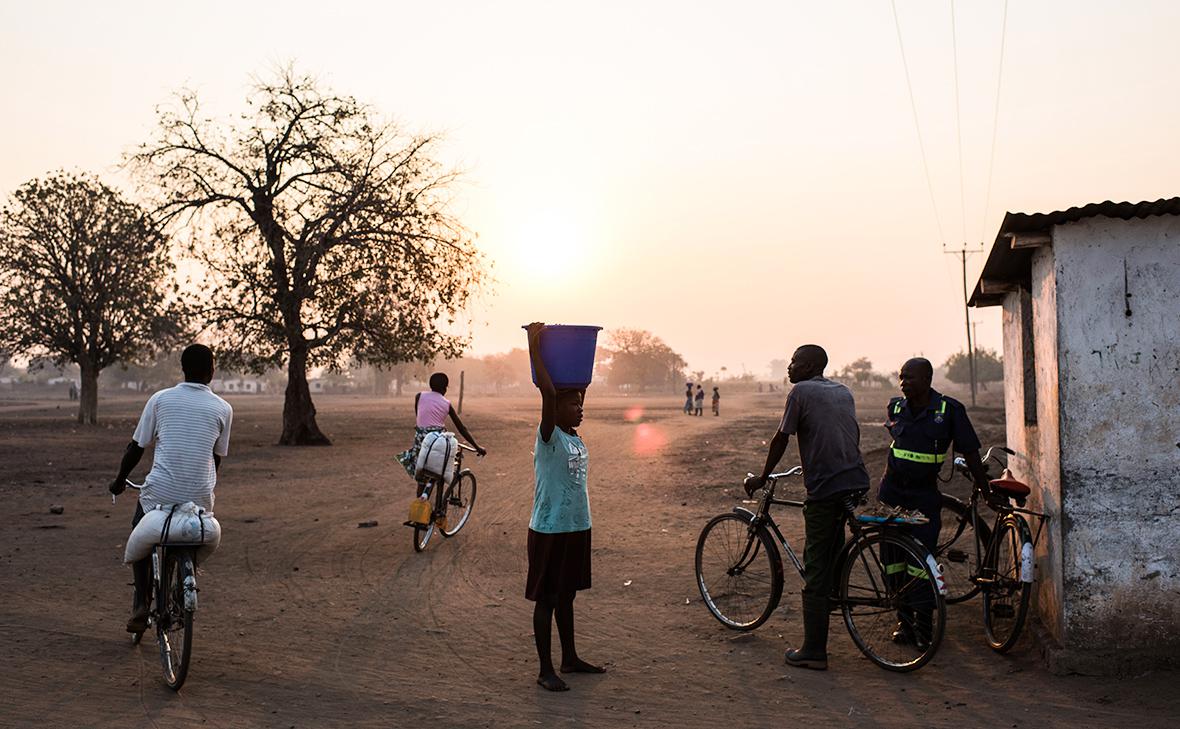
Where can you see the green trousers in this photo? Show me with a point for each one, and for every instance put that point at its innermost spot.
(824, 530)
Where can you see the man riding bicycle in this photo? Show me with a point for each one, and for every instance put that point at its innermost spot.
(189, 426)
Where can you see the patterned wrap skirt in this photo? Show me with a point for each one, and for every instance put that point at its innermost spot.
(409, 459)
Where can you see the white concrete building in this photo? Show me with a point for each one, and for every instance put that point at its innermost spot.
(1091, 319)
(238, 385)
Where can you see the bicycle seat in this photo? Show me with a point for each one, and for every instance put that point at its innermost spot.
(1009, 486)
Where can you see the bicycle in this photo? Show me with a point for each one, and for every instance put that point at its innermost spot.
(1001, 566)
(174, 587)
(458, 497)
(739, 572)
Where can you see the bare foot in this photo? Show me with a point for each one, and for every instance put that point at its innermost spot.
(551, 682)
(579, 666)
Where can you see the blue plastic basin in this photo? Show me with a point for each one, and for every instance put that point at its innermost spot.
(568, 353)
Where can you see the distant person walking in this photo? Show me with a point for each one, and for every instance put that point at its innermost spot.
(716, 401)
(700, 401)
(688, 398)
(559, 530)
(431, 409)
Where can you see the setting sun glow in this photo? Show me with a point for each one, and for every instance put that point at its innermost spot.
(550, 247)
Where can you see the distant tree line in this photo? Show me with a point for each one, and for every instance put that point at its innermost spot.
(322, 235)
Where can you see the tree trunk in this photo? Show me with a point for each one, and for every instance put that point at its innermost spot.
(299, 426)
(381, 380)
(88, 395)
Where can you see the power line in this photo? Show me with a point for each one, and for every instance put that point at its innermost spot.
(995, 123)
(914, 109)
(958, 124)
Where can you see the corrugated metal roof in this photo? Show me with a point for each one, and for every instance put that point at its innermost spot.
(1014, 265)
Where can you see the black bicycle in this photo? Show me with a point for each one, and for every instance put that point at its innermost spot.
(452, 505)
(997, 560)
(172, 605)
(886, 582)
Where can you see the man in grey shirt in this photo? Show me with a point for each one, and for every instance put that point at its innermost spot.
(823, 416)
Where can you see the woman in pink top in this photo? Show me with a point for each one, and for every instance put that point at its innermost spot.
(431, 409)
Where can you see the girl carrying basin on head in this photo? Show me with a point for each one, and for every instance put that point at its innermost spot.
(559, 531)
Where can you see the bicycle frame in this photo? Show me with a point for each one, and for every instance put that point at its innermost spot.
(984, 557)
(763, 518)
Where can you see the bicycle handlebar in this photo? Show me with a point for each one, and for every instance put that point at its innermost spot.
(785, 474)
(466, 447)
(129, 484)
(961, 463)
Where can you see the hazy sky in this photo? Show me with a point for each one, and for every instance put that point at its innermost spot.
(738, 178)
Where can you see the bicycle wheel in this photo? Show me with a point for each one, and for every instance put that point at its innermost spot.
(890, 600)
(957, 549)
(1005, 594)
(174, 631)
(739, 572)
(458, 500)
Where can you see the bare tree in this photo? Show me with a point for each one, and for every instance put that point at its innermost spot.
(84, 278)
(331, 234)
(641, 359)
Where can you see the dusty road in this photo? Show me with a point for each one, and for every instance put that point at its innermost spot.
(307, 620)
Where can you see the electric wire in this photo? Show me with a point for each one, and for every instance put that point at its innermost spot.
(917, 126)
(987, 198)
(958, 124)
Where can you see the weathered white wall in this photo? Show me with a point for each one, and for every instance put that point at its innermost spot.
(1036, 461)
(1120, 430)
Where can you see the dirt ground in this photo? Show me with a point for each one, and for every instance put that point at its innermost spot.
(307, 620)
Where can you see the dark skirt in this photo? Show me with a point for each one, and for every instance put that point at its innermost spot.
(559, 564)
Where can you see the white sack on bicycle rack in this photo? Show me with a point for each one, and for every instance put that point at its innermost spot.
(189, 525)
(436, 456)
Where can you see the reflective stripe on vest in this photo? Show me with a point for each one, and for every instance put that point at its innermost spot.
(941, 406)
(918, 457)
(915, 456)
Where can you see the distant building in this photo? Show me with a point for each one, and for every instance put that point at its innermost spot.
(1091, 319)
(238, 386)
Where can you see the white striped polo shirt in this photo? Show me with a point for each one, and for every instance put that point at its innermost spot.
(188, 424)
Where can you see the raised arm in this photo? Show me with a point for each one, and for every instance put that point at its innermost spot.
(131, 458)
(464, 432)
(544, 382)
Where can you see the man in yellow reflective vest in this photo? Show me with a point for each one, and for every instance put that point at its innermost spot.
(924, 425)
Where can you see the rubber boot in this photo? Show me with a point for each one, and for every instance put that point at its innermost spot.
(814, 653)
(141, 600)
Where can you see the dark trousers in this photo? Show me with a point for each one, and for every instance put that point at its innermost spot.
(823, 523)
(141, 569)
(923, 495)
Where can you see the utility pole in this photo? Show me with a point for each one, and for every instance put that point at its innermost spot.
(962, 253)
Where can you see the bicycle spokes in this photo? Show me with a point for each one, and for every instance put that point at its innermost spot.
(891, 602)
(739, 577)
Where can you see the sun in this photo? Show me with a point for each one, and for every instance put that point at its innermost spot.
(551, 246)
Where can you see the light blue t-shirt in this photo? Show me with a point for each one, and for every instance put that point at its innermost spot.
(561, 503)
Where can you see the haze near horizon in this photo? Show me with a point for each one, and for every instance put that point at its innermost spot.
(736, 181)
